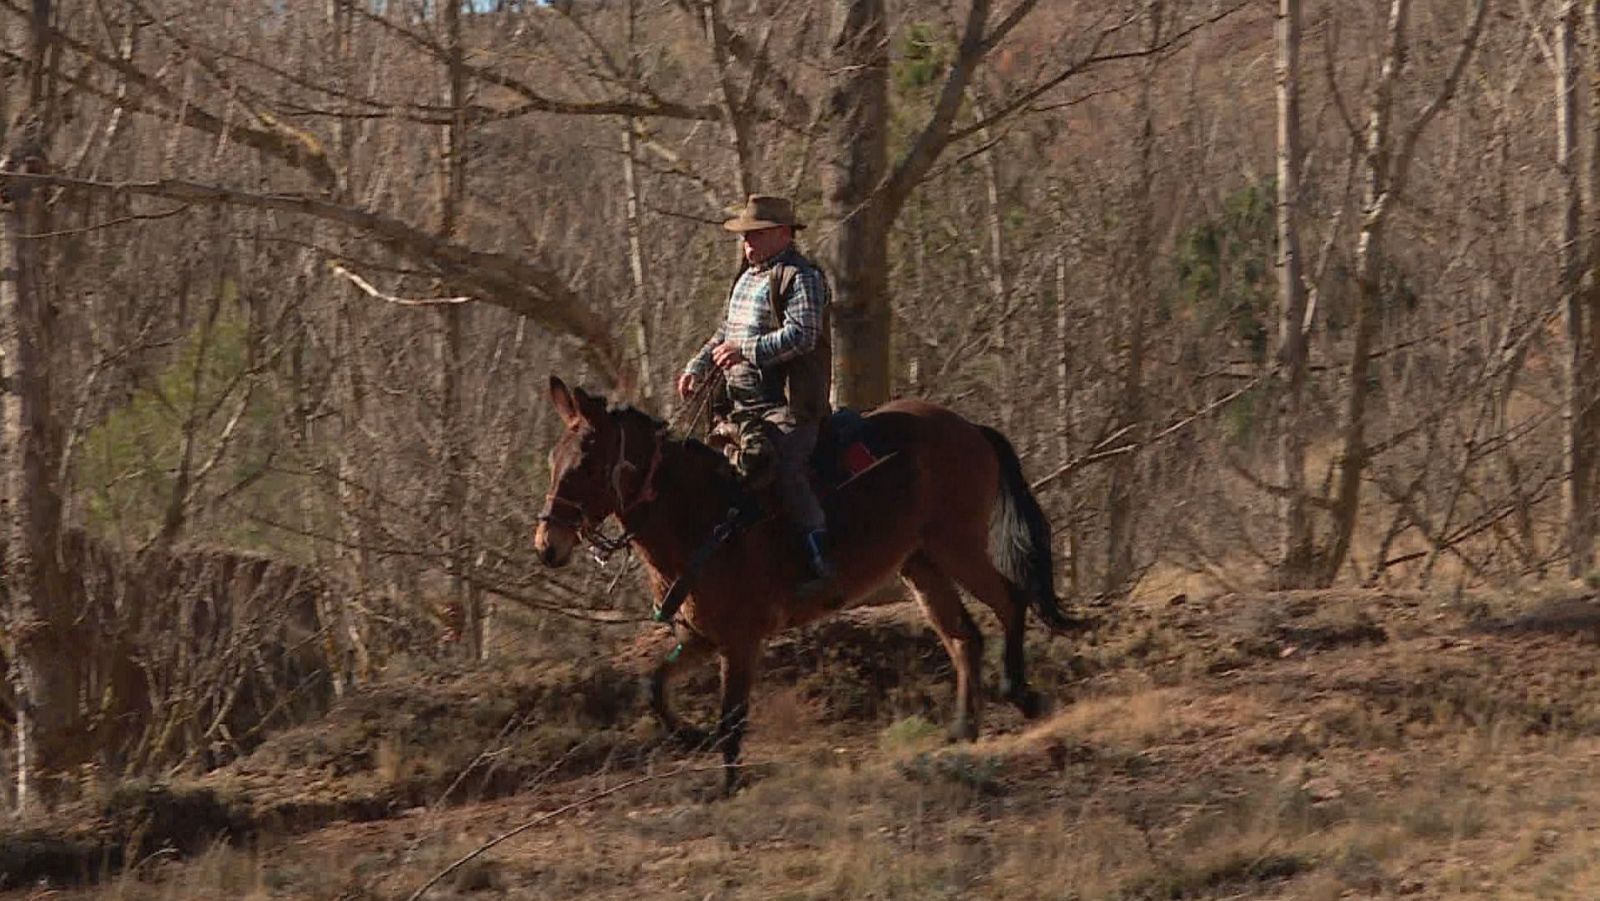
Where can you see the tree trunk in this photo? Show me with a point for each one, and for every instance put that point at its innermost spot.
(733, 110)
(1294, 568)
(463, 599)
(1369, 254)
(1064, 418)
(999, 276)
(1385, 162)
(630, 182)
(44, 676)
(855, 163)
(1591, 362)
(1120, 490)
(1583, 440)
(1579, 515)
(43, 656)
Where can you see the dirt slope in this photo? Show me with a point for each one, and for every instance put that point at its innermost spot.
(1302, 745)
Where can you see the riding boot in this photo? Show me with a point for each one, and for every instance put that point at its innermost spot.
(823, 572)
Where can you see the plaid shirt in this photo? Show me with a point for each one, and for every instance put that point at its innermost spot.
(765, 342)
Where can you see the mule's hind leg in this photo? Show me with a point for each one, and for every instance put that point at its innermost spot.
(977, 574)
(691, 651)
(942, 604)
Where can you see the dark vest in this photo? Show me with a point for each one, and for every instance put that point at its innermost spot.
(804, 381)
(807, 377)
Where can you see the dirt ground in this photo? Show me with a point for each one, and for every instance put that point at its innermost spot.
(1311, 745)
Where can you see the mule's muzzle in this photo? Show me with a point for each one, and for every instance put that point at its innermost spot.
(554, 544)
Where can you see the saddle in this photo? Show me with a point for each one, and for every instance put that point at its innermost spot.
(846, 447)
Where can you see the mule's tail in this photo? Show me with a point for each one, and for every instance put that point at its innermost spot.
(1019, 537)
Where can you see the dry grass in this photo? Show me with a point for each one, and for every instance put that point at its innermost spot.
(221, 872)
(1456, 755)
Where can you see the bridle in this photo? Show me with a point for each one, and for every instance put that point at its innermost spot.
(560, 511)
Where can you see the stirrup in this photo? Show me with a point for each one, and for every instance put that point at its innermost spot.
(824, 574)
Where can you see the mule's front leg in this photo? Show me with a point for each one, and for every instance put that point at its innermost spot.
(691, 650)
(738, 675)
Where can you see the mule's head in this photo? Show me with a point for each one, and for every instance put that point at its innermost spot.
(585, 466)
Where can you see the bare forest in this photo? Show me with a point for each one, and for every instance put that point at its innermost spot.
(1275, 299)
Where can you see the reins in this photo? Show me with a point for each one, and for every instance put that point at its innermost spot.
(688, 417)
(560, 510)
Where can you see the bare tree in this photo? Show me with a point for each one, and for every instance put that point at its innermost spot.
(1583, 329)
(1386, 162)
(635, 217)
(1121, 517)
(465, 598)
(855, 164)
(1293, 327)
(998, 270)
(865, 194)
(1579, 514)
(40, 613)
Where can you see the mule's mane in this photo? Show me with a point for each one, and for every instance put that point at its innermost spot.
(715, 459)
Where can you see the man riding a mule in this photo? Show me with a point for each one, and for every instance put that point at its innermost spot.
(775, 353)
(947, 506)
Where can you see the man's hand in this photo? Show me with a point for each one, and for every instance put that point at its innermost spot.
(688, 383)
(727, 355)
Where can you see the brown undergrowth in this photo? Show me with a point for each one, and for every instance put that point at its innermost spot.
(1303, 745)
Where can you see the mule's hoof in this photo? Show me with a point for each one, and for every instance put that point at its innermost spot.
(733, 779)
(963, 730)
(723, 788)
(1031, 704)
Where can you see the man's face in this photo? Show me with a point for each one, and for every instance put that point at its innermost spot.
(765, 243)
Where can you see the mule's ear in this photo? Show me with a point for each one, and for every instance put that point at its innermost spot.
(566, 404)
(589, 406)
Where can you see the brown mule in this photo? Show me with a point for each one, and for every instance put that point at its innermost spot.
(950, 506)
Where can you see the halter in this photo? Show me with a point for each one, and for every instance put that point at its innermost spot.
(600, 545)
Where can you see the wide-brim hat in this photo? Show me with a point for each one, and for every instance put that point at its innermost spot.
(763, 211)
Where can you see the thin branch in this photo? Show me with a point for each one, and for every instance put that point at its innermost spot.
(370, 291)
(1536, 30)
(525, 288)
(796, 108)
(1082, 462)
(536, 102)
(1275, 490)
(111, 223)
(1408, 143)
(295, 147)
(1076, 464)
(1093, 58)
(1329, 57)
(1003, 28)
(935, 136)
